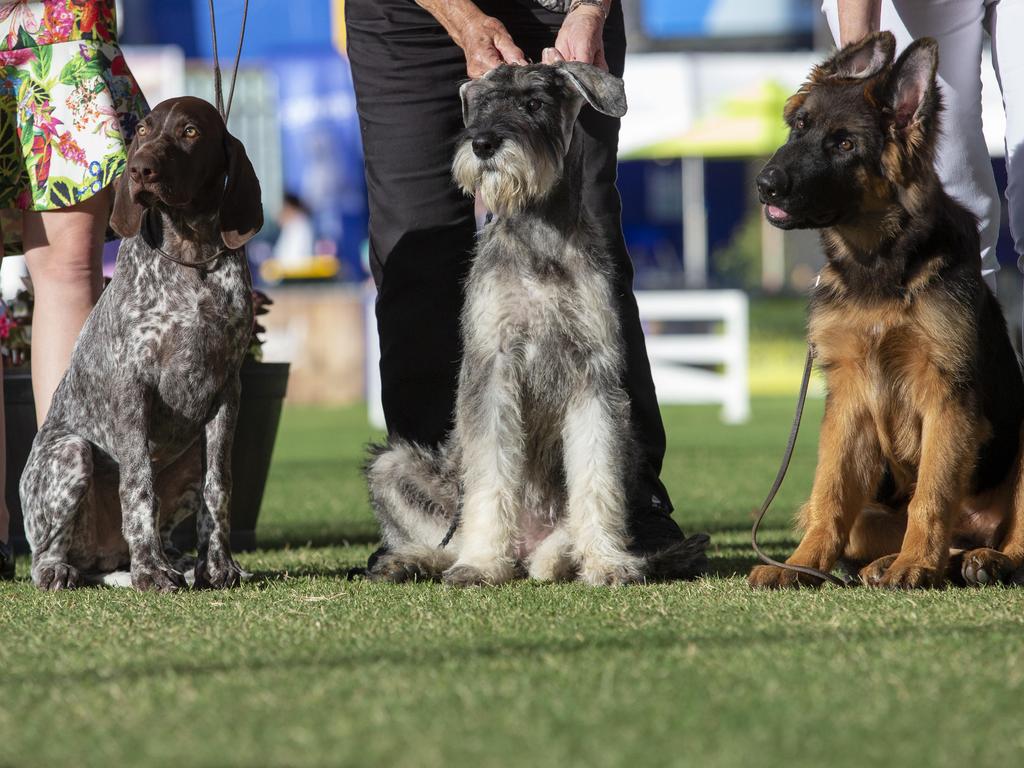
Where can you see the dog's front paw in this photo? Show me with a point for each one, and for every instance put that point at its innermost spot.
(157, 577)
(774, 577)
(397, 569)
(871, 575)
(218, 573)
(618, 573)
(902, 573)
(465, 575)
(56, 576)
(986, 566)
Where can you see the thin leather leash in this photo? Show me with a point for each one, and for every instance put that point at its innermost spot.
(780, 476)
(218, 91)
(218, 88)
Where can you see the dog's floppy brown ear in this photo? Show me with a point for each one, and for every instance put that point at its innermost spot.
(913, 92)
(603, 91)
(863, 59)
(241, 207)
(126, 217)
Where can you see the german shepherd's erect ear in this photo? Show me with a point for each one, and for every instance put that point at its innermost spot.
(912, 93)
(861, 60)
(911, 105)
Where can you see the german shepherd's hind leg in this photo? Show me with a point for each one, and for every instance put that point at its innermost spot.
(942, 478)
(415, 497)
(873, 543)
(990, 566)
(54, 488)
(849, 468)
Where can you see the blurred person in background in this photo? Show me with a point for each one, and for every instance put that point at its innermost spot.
(408, 59)
(68, 110)
(963, 160)
(295, 242)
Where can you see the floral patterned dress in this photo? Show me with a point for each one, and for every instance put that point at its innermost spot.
(68, 106)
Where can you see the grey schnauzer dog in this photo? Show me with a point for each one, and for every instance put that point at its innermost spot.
(139, 432)
(536, 471)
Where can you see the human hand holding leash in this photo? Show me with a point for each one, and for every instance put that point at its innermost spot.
(482, 38)
(581, 37)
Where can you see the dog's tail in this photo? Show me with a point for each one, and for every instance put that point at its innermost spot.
(413, 491)
(680, 561)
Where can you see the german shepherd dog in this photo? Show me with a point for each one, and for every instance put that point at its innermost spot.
(919, 469)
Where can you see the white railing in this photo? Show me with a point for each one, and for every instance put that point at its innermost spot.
(709, 366)
(680, 362)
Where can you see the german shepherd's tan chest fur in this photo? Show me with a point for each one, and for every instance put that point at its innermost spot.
(899, 360)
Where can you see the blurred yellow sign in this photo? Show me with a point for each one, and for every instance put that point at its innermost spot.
(322, 267)
(338, 24)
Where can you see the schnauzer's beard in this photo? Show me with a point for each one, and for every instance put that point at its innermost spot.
(508, 182)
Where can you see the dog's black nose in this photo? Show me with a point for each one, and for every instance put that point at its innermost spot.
(485, 145)
(143, 169)
(772, 182)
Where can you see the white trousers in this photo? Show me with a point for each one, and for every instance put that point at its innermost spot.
(963, 162)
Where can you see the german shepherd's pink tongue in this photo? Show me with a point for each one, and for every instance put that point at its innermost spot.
(775, 213)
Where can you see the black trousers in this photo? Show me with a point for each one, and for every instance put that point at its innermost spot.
(407, 71)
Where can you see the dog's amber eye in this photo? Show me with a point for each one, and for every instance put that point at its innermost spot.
(799, 123)
(191, 132)
(846, 145)
(534, 105)
(142, 130)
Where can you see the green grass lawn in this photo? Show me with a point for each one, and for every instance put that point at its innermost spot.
(302, 667)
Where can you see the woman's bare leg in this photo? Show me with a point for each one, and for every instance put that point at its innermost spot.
(5, 514)
(64, 252)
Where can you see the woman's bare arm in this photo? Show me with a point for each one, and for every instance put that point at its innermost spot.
(858, 19)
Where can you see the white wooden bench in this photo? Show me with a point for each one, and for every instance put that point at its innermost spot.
(679, 361)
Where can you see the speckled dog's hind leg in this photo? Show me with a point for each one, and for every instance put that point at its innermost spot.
(140, 505)
(215, 566)
(54, 488)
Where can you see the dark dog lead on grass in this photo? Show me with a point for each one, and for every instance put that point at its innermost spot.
(919, 472)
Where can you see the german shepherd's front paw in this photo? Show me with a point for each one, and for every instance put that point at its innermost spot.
(904, 573)
(986, 566)
(773, 577)
(871, 575)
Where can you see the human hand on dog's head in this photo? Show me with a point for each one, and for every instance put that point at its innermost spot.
(486, 44)
(580, 38)
(183, 160)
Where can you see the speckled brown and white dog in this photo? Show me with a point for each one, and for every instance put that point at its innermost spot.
(143, 420)
(538, 466)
